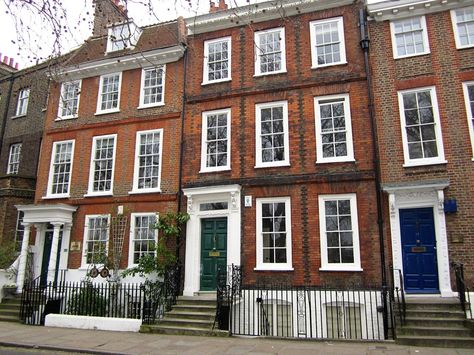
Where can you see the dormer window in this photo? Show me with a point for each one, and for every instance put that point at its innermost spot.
(122, 36)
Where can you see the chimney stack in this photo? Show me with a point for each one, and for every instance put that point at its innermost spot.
(222, 6)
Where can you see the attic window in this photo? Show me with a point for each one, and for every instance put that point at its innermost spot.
(122, 36)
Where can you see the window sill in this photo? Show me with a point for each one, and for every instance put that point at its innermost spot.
(257, 75)
(205, 83)
(92, 194)
(315, 67)
(98, 113)
(141, 107)
(53, 197)
(273, 268)
(329, 161)
(144, 191)
(66, 118)
(18, 116)
(424, 163)
(272, 166)
(341, 269)
(206, 171)
(465, 47)
(411, 55)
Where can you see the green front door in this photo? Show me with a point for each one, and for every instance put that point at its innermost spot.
(48, 241)
(213, 250)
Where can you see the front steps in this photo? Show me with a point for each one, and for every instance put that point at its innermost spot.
(190, 316)
(435, 322)
(10, 309)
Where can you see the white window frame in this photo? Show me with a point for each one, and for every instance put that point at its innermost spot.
(91, 191)
(325, 265)
(470, 112)
(342, 49)
(99, 111)
(258, 140)
(424, 29)
(22, 103)
(288, 266)
(142, 87)
(84, 264)
(61, 99)
(348, 125)
(50, 193)
(131, 249)
(136, 189)
(456, 31)
(205, 115)
(205, 75)
(439, 138)
(14, 165)
(282, 48)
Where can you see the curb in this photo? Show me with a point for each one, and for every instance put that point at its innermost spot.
(57, 348)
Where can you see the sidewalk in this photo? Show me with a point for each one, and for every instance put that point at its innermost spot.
(103, 342)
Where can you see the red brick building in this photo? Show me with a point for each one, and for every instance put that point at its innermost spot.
(278, 173)
(422, 57)
(110, 145)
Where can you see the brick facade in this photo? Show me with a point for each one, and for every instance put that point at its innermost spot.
(303, 180)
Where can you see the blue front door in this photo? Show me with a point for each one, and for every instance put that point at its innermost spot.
(420, 267)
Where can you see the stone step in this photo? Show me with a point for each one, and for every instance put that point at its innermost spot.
(194, 308)
(434, 341)
(5, 318)
(429, 313)
(185, 323)
(159, 329)
(434, 306)
(8, 306)
(435, 331)
(433, 322)
(209, 316)
(183, 300)
(10, 312)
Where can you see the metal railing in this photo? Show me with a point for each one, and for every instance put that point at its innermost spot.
(463, 290)
(289, 311)
(228, 286)
(398, 295)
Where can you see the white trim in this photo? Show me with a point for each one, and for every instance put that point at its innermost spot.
(195, 197)
(455, 29)
(26, 97)
(135, 189)
(258, 140)
(325, 265)
(142, 87)
(84, 264)
(205, 69)
(99, 111)
(348, 124)
(205, 115)
(437, 126)
(66, 117)
(430, 195)
(260, 264)
(281, 31)
(342, 48)
(90, 191)
(469, 112)
(424, 34)
(131, 246)
(49, 193)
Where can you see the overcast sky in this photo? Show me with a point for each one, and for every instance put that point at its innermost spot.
(38, 42)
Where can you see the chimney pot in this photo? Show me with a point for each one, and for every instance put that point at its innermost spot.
(16, 66)
(5, 60)
(11, 62)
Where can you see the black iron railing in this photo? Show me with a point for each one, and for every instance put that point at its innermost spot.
(397, 295)
(227, 289)
(463, 290)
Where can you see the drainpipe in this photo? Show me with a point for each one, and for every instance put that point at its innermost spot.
(365, 44)
(5, 113)
(181, 146)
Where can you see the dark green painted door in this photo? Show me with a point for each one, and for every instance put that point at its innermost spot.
(48, 241)
(213, 250)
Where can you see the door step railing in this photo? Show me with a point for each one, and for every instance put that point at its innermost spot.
(463, 290)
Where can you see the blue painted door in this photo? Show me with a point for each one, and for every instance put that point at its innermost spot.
(420, 267)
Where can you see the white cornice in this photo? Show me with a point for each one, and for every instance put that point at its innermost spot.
(416, 186)
(259, 12)
(118, 64)
(388, 10)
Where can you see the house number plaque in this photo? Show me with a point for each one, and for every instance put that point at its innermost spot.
(214, 253)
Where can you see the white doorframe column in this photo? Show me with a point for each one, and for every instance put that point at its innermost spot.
(54, 251)
(23, 257)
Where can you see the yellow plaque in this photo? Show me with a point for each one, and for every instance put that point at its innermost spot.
(214, 253)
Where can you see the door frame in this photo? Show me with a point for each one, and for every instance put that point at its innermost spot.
(195, 197)
(419, 196)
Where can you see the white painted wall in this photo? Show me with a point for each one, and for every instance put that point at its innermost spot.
(93, 323)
